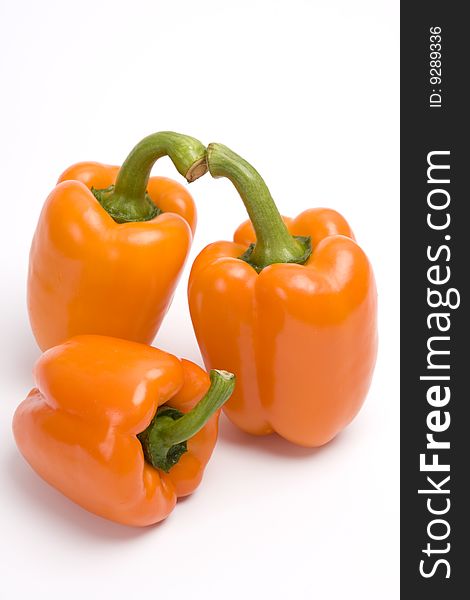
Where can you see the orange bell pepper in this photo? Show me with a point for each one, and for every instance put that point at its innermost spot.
(119, 427)
(111, 243)
(293, 316)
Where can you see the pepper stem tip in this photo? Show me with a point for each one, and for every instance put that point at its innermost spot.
(165, 439)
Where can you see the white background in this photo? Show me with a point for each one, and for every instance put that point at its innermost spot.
(308, 92)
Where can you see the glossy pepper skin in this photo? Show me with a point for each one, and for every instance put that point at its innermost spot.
(89, 273)
(301, 338)
(78, 428)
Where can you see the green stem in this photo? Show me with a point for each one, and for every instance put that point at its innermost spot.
(274, 243)
(164, 440)
(128, 200)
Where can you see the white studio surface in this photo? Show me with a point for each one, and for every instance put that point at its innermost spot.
(307, 91)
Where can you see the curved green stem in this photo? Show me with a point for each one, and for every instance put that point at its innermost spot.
(274, 243)
(128, 200)
(164, 440)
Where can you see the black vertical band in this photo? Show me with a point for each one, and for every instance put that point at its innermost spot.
(435, 249)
